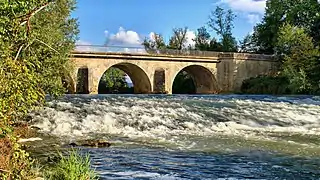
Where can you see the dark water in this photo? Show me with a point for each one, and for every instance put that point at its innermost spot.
(192, 137)
(147, 163)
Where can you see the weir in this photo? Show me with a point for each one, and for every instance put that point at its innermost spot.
(260, 136)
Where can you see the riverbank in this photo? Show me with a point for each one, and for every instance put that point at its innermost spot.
(18, 161)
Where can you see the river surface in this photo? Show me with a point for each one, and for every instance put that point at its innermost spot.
(191, 137)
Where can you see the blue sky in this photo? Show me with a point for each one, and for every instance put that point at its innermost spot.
(128, 22)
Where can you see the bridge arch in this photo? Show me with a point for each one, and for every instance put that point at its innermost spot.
(140, 80)
(203, 79)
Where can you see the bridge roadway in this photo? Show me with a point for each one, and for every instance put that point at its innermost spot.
(212, 72)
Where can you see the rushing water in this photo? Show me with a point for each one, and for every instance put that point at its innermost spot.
(192, 137)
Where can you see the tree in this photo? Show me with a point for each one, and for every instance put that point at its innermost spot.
(247, 45)
(279, 12)
(36, 37)
(300, 58)
(222, 23)
(154, 44)
(113, 80)
(178, 39)
(204, 42)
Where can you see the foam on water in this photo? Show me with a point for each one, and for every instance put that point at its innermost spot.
(165, 118)
(139, 174)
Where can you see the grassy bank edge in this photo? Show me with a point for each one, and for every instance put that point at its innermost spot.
(74, 166)
(16, 163)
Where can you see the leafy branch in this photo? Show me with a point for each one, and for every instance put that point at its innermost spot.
(26, 20)
(29, 15)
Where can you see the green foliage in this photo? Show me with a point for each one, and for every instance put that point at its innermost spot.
(247, 45)
(222, 23)
(35, 40)
(301, 62)
(72, 167)
(36, 37)
(19, 90)
(204, 42)
(113, 80)
(15, 162)
(300, 65)
(202, 39)
(290, 29)
(266, 85)
(178, 39)
(154, 44)
(279, 12)
(294, 41)
(298, 80)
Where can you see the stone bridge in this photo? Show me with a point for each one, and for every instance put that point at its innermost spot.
(212, 72)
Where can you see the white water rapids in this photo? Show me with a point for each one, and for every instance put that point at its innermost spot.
(164, 118)
(182, 137)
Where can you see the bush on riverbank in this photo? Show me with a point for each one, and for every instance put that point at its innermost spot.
(300, 66)
(266, 85)
(72, 167)
(36, 38)
(15, 163)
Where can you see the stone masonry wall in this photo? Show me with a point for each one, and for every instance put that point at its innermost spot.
(228, 74)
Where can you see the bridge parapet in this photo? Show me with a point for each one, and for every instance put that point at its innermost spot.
(187, 53)
(246, 56)
(142, 50)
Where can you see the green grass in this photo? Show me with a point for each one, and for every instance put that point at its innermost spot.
(72, 167)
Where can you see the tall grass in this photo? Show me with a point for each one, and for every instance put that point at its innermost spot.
(72, 167)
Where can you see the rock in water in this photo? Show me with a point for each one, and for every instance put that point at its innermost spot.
(91, 143)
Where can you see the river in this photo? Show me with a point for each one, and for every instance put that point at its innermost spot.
(191, 137)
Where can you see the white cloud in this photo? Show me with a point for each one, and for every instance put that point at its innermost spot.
(125, 41)
(253, 18)
(152, 36)
(123, 37)
(190, 36)
(249, 6)
(84, 46)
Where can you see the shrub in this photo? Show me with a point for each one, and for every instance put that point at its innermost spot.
(15, 163)
(266, 85)
(72, 167)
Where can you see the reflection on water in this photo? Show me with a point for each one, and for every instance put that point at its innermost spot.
(192, 137)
